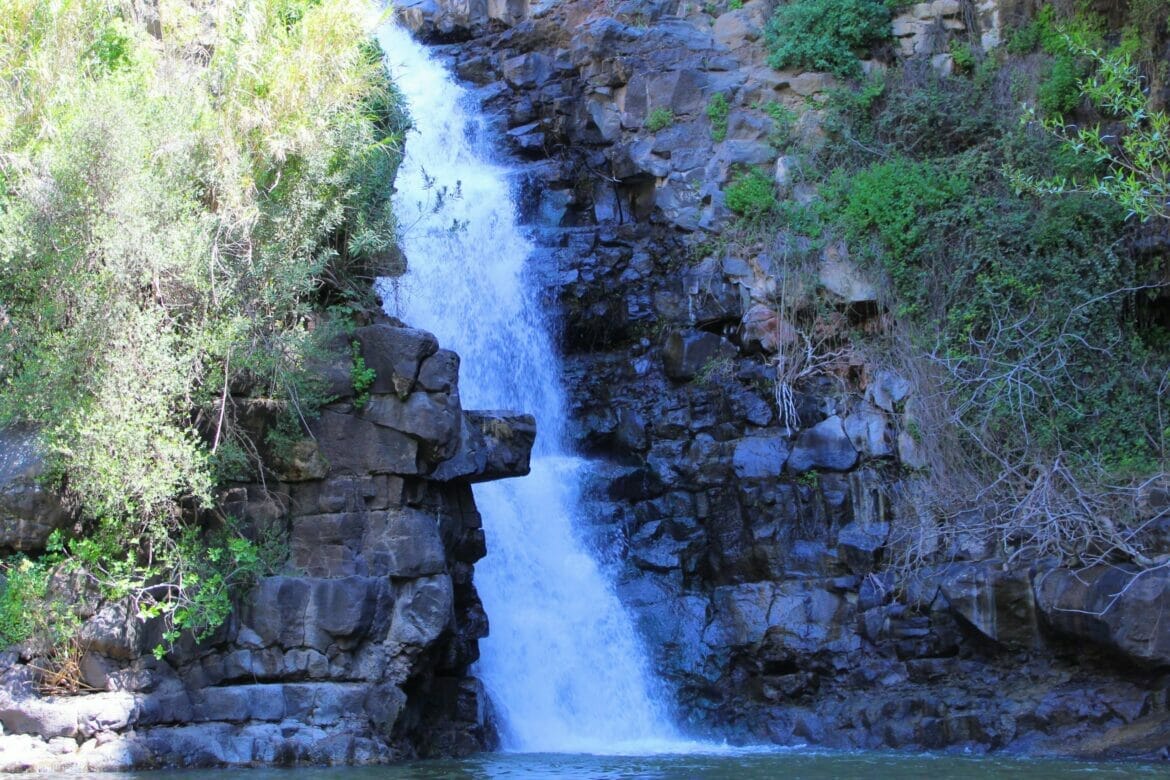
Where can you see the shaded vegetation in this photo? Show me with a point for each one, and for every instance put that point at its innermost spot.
(1024, 304)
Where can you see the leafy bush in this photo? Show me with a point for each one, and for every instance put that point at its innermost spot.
(826, 35)
(1021, 307)
(914, 111)
(27, 609)
(1060, 92)
(963, 56)
(1137, 174)
(659, 118)
(718, 110)
(174, 211)
(22, 589)
(892, 199)
(210, 565)
(751, 194)
(1046, 33)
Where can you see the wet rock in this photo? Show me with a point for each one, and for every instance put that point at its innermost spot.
(352, 445)
(403, 543)
(999, 604)
(492, 445)
(910, 451)
(526, 70)
(433, 419)
(630, 431)
(710, 299)
(785, 174)
(805, 620)
(655, 548)
(764, 330)
(300, 461)
(739, 27)
(839, 275)
(115, 632)
(741, 615)
(824, 446)
(439, 373)
(422, 612)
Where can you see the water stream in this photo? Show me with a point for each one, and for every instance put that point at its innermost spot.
(563, 665)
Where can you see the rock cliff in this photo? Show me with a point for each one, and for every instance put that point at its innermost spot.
(755, 516)
(358, 652)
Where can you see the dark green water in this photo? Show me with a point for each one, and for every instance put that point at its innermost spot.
(788, 765)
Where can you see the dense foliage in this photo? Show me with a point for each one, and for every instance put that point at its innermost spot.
(180, 191)
(1034, 315)
(826, 35)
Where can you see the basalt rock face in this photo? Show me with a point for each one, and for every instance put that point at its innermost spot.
(749, 515)
(360, 651)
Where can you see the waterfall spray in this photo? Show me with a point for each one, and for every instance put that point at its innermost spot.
(563, 664)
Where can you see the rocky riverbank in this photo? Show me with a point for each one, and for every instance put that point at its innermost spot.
(357, 653)
(755, 527)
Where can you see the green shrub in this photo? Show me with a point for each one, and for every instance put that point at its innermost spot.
(1060, 91)
(27, 609)
(963, 56)
(1021, 307)
(174, 212)
(891, 199)
(751, 194)
(718, 110)
(826, 35)
(1048, 34)
(659, 119)
(22, 589)
(211, 566)
(1129, 167)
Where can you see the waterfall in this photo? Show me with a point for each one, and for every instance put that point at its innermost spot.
(562, 664)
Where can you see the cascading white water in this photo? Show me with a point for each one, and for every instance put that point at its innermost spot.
(563, 663)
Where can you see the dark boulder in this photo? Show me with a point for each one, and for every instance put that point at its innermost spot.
(687, 353)
(395, 354)
(826, 445)
(1112, 606)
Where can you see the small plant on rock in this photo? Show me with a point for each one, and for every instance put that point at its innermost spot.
(717, 111)
(659, 119)
(963, 56)
(362, 377)
(752, 194)
(783, 122)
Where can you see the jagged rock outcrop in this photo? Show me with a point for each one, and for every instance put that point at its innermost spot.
(360, 651)
(757, 514)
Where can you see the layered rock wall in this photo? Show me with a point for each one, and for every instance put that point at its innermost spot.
(359, 650)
